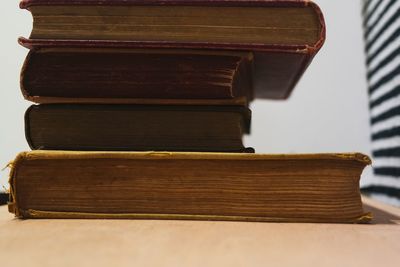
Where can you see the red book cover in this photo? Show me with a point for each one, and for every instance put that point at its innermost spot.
(277, 67)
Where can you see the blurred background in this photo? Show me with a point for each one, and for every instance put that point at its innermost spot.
(327, 112)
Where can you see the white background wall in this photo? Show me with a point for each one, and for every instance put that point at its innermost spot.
(327, 112)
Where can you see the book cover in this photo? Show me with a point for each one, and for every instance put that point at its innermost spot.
(195, 186)
(101, 75)
(289, 33)
(137, 127)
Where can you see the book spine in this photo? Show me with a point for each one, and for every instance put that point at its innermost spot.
(13, 203)
(28, 128)
(22, 86)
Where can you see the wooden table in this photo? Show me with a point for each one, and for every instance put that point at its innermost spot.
(192, 243)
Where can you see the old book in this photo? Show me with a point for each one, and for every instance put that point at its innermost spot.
(115, 75)
(198, 186)
(284, 36)
(137, 127)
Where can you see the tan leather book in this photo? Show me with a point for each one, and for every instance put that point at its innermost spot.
(195, 186)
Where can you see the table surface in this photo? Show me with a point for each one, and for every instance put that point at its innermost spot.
(200, 243)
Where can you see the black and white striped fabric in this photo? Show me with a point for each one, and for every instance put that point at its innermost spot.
(382, 39)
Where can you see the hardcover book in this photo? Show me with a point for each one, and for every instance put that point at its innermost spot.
(196, 186)
(57, 75)
(283, 36)
(137, 127)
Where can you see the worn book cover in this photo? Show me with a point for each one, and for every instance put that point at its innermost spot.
(195, 186)
(283, 36)
(144, 76)
(137, 127)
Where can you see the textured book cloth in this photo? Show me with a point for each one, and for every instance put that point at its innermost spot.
(283, 36)
(382, 36)
(197, 186)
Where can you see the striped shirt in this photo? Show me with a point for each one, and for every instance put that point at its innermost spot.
(382, 45)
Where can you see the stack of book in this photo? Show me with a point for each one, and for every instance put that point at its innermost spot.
(142, 106)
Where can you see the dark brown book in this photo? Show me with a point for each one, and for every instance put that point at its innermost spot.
(196, 186)
(137, 127)
(128, 75)
(283, 36)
